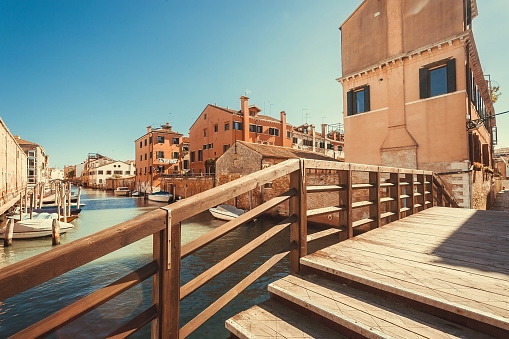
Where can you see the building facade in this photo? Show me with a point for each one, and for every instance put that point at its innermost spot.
(329, 142)
(412, 83)
(37, 165)
(158, 152)
(98, 173)
(218, 128)
(13, 165)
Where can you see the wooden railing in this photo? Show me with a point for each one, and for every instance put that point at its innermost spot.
(387, 193)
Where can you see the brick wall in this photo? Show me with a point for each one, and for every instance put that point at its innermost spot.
(186, 186)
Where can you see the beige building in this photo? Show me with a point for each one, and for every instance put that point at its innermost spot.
(13, 165)
(37, 167)
(412, 83)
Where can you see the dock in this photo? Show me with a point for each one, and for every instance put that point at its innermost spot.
(439, 273)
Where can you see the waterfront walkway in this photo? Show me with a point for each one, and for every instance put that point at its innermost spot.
(502, 199)
(440, 273)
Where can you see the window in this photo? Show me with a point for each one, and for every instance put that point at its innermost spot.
(340, 148)
(204, 147)
(150, 169)
(31, 173)
(31, 153)
(210, 146)
(225, 147)
(100, 172)
(259, 129)
(160, 140)
(141, 157)
(141, 144)
(226, 126)
(31, 163)
(100, 181)
(322, 144)
(175, 168)
(150, 140)
(204, 132)
(108, 172)
(200, 155)
(31, 180)
(145, 170)
(176, 141)
(150, 155)
(118, 172)
(175, 155)
(288, 134)
(145, 142)
(252, 128)
(273, 131)
(215, 128)
(145, 159)
(192, 156)
(437, 79)
(186, 164)
(205, 116)
(294, 140)
(127, 172)
(358, 100)
(237, 125)
(160, 155)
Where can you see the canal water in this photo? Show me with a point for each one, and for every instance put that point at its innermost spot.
(102, 210)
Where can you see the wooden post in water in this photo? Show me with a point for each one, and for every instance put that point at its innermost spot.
(57, 200)
(69, 199)
(9, 230)
(79, 197)
(64, 205)
(26, 199)
(42, 194)
(55, 234)
(35, 194)
(32, 205)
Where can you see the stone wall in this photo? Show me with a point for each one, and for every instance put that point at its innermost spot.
(186, 186)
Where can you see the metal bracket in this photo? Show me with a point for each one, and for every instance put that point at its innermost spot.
(168, 234)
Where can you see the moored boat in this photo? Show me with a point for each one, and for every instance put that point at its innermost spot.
(226, 212)
(136, 194)
(35, 228)
(160, 196)
(122, 191)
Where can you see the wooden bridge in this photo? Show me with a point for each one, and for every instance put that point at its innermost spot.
(420, 271)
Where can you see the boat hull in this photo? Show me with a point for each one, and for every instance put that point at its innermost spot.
(159, 198)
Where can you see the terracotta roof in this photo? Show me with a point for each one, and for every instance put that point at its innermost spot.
(24, 142)
(225, 109)
(264, 117)
(270, 151)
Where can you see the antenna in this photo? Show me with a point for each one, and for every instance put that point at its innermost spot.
(271, 110)
(302, 117)
(307, 116)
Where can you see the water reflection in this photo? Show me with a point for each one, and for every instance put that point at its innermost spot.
(103, 210)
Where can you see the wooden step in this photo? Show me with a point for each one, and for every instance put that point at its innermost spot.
(274, 320)
(361, 314)
(443, 300)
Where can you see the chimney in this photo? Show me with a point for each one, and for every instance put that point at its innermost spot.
(149, 129)
(244, 109)
(314, 136)
(324, 130)
(283, 127)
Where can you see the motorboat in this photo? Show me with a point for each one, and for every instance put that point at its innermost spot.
(122, 191)
(35, 228)
(160, 196)
(136, 194)
(52, 209)
(41, 216)
(226, 212)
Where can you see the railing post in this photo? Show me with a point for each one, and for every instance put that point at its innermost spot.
(345, 200)
(298, 206)
(421, 189)
(394, 192)
(374, 195)
(409, 178)
(166, 282)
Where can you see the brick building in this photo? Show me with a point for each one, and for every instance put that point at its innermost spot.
(217, 128)
(158, 152)
(412, 82)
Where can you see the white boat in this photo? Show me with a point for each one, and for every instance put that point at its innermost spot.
(123, 191)
(35, 228)
(160, 196)
(226, 212)
(136, 194)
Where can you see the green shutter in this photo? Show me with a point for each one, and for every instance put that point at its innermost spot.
(451, 76)
(367, 107)
(423, 83)
(349, 102)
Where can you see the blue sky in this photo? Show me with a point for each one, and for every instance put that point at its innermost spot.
(89, 75)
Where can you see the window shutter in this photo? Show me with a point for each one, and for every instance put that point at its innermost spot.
(349, 102)
(367, 107)
(451, 76)
(423, 83)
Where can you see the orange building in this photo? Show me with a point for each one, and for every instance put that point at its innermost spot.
(217, 128)
(412, 83)
(158, 152)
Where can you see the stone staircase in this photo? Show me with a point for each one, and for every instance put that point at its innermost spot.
(342, 293)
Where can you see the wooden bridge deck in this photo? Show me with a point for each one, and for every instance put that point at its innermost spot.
(438, 271)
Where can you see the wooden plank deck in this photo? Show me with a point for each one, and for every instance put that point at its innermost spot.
(456, 260)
